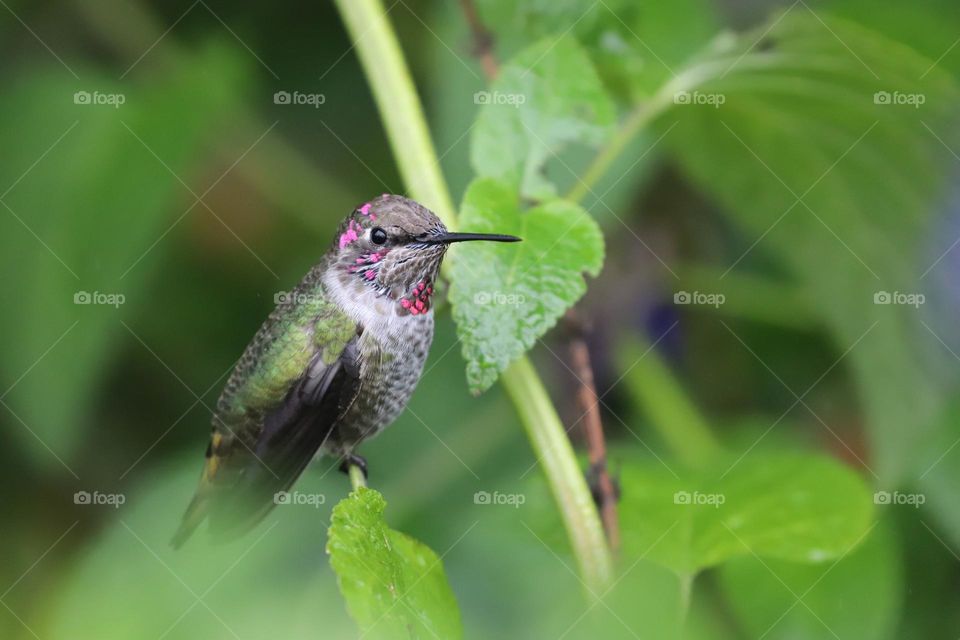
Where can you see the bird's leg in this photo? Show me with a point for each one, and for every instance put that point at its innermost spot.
(353, 460)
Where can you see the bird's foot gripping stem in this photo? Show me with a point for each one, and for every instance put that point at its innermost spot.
(356, 468)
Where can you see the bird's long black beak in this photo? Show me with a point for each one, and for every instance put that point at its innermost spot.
(449, 237)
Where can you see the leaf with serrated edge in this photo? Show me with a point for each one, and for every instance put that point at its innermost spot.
(395, 586)
(505, 296)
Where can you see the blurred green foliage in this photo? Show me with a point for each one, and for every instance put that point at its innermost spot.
(799, 198)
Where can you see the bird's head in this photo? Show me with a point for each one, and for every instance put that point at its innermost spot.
(393, 247)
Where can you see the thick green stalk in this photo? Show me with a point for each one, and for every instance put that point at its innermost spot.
(551, 443)
(403, 117)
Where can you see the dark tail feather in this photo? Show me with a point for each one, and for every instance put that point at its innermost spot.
(226, 523)
(290, 437)
(194, 515)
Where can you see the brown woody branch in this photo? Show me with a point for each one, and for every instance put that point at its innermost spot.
(482, 40)
(592, 427)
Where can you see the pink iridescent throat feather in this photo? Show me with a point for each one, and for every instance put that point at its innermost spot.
(419, 299)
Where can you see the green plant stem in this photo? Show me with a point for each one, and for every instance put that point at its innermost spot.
(398, 104)
(403, 117)
(686, 592)
(552, 446)
(638, 119)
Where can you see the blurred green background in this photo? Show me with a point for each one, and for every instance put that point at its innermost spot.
(181, 212)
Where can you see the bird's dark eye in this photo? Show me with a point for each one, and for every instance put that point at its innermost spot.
(378, 236)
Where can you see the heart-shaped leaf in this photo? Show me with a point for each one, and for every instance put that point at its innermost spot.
(394, 585)
(505, 296)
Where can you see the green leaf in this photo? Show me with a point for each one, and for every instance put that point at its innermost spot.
(799, 119)
(939, 475)
(793, 507)
(856, 597)
(394, 585)
(545, 98)
(929, 26)
(505, 296)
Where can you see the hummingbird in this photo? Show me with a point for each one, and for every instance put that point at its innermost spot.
(334, 364)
